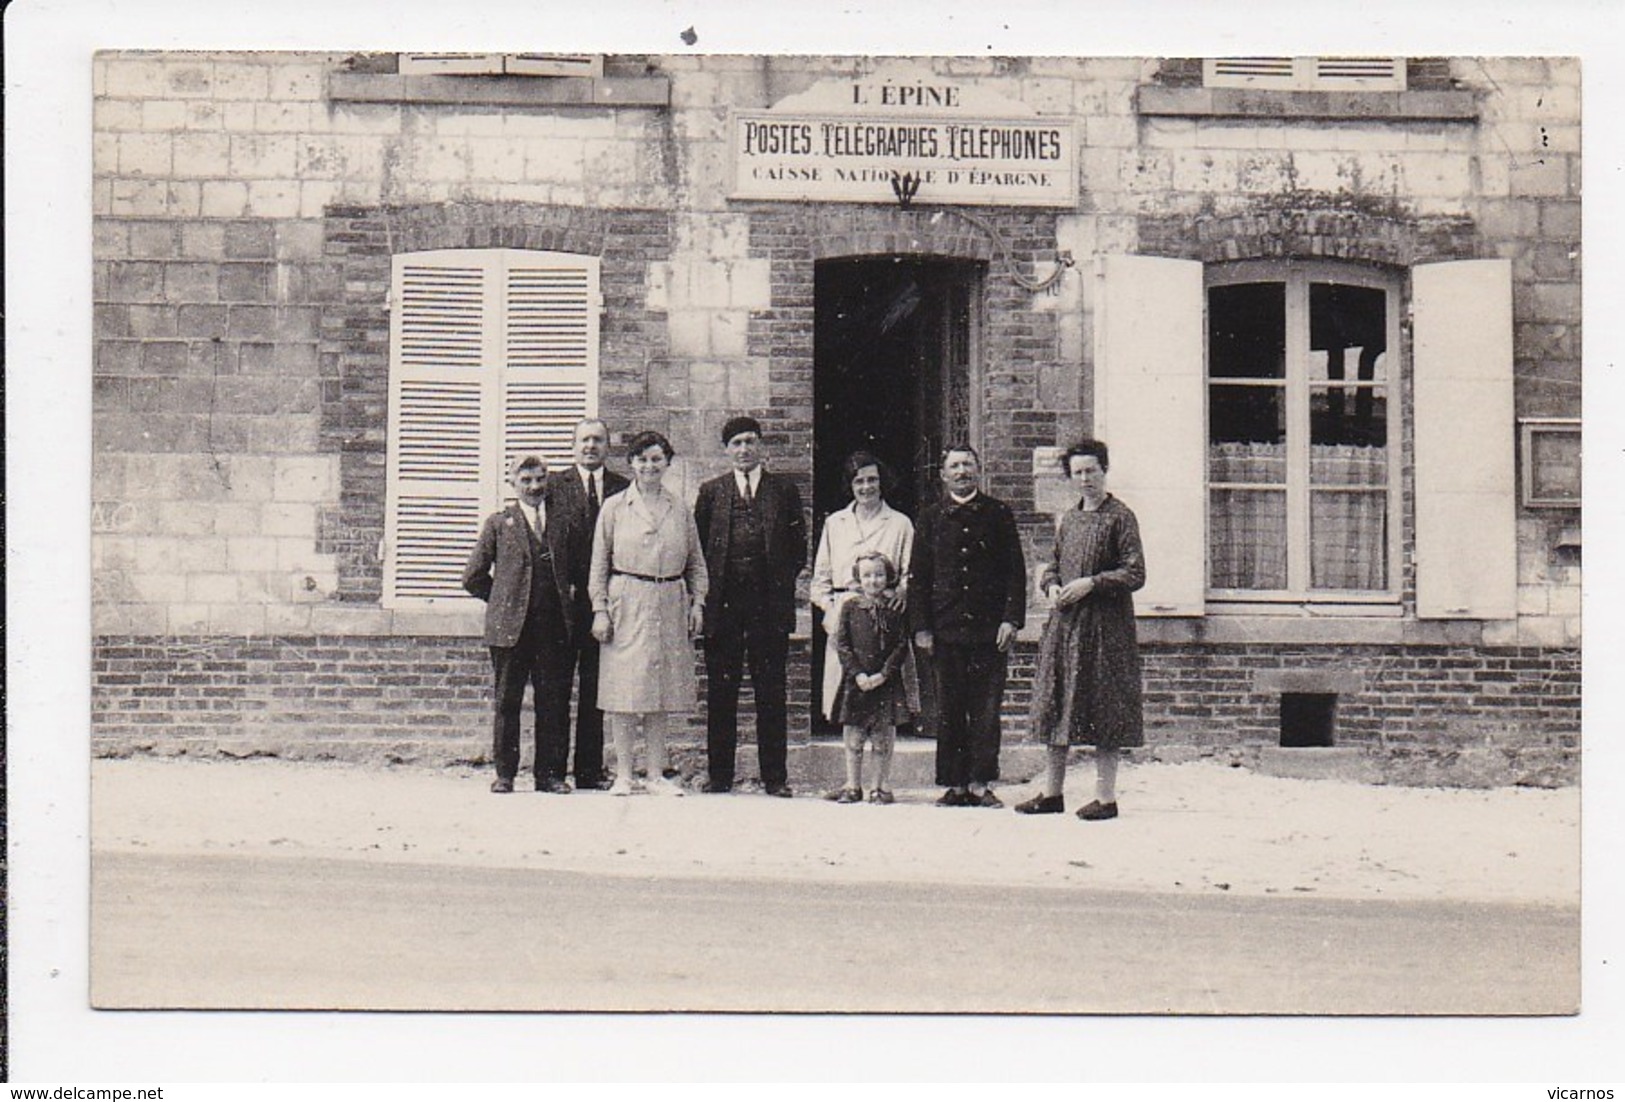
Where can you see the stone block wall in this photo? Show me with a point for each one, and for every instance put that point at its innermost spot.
(244, 220)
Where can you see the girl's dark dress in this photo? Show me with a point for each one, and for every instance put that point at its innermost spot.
(871, 638)
(1087, 686)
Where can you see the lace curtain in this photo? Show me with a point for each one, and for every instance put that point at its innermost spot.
(1348, 517)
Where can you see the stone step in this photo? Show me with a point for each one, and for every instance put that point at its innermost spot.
(820, 765)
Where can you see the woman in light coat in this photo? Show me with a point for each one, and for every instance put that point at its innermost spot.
(648, 584)
(865, 526)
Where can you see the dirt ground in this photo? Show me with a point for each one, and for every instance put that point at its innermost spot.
(1198, 827)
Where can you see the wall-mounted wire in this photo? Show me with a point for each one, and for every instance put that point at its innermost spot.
(1063, 262)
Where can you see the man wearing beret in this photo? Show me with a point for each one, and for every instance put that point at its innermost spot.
(968, 598)
(755, 539)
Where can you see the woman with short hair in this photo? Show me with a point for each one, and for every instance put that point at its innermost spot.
(1086, 689)
(648, 584)
(865, 526)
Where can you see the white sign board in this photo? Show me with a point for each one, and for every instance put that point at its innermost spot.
(914, 136)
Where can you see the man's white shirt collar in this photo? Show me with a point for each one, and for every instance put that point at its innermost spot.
(535, 515)
(753, 477)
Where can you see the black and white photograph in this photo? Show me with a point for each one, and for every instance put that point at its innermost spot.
(716, 535)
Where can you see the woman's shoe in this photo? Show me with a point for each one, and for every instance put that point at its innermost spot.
(660, 786)
(1094, 811)
(1041, 805)
(621, 787)
(849, 796)
(882, 796)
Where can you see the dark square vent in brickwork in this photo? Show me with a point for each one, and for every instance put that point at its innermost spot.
(1308, 719)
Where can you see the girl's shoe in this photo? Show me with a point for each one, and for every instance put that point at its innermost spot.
(1041, 805)
(882, 796)
(621, 787)
(849, 796)
(1094, 811)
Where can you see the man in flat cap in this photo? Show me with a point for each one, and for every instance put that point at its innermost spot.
(755, 539)
(521, 568)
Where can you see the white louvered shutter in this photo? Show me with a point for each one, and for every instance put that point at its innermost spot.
(450, 64)
(1325, 74)
(1149, 409)
(550, 348)
(1466, 503)
(443, 373)
(493, 353)
(554, 65)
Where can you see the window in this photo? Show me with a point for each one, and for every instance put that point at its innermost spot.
(493, 352)
(1303, 446)
(1317, 74)
(1302, 481)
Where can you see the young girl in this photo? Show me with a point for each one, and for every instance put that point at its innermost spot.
(871, 640)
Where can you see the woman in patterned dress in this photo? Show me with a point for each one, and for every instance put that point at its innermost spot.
(868, 524)
(648, 584)
(1087, 686)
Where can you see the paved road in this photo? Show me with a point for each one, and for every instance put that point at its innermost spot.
(211, 932)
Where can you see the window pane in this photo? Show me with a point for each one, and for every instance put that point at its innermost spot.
(1348, 415)
(1248, 548)
(1348, 333)
(1348, 539)
(1246, 414)
(1246, 336)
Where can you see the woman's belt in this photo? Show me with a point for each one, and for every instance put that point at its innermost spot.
(647, 577)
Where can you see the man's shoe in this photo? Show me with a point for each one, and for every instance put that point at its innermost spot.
(986, 799)
(502, 785)
(556, 786)
(953, 798)
(780, 790)
(590, 783)
(1094, 811)
(1041, 805)
(717, 788)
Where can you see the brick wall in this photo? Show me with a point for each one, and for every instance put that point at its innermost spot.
(1021, 346)
(1455, 715)
(360, 244)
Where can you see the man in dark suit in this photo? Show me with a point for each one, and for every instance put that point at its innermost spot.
(576, 494)
(967, 598)
(755, 539)
(521, 568)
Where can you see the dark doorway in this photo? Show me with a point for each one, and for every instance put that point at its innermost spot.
(894, 340)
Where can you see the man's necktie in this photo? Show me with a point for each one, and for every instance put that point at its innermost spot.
(592, 496)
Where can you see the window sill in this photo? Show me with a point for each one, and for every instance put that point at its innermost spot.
(499, 91)
(1312, 630)
(1449, 106)
(1387, 607)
